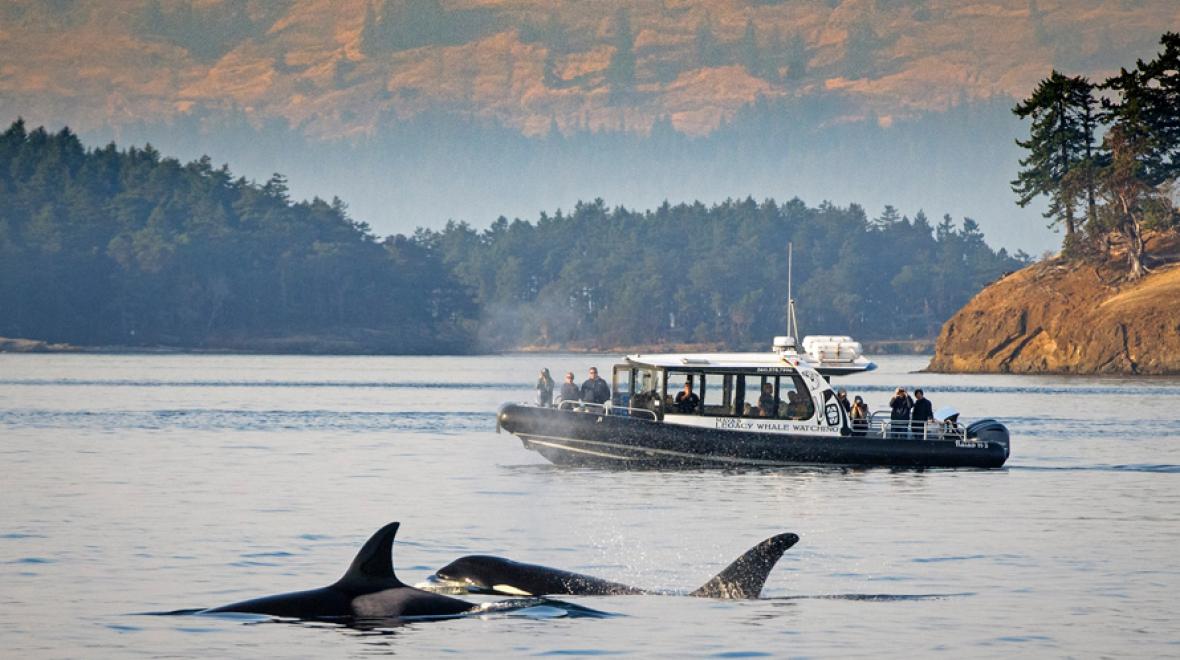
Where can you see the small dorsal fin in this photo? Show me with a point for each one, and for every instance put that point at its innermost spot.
(375, 560)
(746, 575)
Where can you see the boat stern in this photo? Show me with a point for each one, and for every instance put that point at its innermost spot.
(990, 432)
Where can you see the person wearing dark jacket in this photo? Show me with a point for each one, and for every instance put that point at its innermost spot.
(545, 389)
(842, 397)
(922, 412)
(860, 417)
(569, 389)
(595, 389)
(899, 411)
(687, 400)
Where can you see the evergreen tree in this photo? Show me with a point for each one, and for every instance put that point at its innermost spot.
(706, 49)
(1144, 147)
(620, 73)
(751, 54)
(797, 57)
(1059, 145)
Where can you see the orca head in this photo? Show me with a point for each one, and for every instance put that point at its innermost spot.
(373, 565)
(475, 572)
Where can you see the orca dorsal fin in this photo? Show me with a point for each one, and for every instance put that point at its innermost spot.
(746, 575)
(375, 559)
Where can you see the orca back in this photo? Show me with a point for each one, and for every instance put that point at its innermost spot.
(368, 589)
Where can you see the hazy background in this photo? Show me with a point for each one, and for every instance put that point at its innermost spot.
(414, 112)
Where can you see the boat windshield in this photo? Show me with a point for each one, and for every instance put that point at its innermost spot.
(776, 396)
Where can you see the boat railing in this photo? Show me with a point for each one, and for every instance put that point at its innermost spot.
(880, 425)
(606, 409)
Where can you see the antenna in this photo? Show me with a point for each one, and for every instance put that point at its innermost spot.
(792, 321)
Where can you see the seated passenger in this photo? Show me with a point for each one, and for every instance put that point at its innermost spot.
(796, 406)
(767, 405)
(687, 401)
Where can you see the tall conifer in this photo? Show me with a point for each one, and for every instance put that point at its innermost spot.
(1059, 145)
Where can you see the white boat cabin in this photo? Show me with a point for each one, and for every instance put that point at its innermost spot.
(758, 392)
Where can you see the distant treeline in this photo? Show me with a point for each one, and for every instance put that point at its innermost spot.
(691, 273)
(131, 248)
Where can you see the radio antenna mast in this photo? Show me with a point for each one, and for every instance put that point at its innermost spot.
(792, 322)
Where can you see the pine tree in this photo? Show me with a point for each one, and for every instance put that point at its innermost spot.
(1060, 143)
(797, 57)
(620, 73)
(708, 51)
(1149, 101)
(751, 54)
(369, 32)
(1144, 147)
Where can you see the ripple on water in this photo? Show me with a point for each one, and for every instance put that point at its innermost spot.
(447, 423)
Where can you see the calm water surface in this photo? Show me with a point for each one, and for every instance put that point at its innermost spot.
(133, 484)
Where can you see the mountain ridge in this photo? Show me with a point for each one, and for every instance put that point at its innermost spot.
(340, 69)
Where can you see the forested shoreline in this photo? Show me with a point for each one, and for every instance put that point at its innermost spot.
(131, 248)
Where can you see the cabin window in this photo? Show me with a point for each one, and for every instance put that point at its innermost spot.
(647, 388)
(795, 399)
(760, 396)
(717, 395)
(621, 387)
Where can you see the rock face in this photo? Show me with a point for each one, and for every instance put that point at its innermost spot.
(1062, 317)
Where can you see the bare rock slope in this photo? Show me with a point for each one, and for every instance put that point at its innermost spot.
(1062, 317)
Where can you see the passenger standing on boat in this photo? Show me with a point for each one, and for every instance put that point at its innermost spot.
(860, 417)
(545, 389)
(842, 397)
(899, 412)
(595, 389)
(687, 400)
(923, 412)
(569, 389)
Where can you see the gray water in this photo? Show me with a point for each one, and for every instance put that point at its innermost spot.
(133, 484)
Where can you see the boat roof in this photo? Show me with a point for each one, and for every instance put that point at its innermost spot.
(723, 360)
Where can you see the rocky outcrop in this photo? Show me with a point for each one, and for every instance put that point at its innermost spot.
(1068, 317)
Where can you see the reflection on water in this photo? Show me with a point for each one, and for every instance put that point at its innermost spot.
(154, 483)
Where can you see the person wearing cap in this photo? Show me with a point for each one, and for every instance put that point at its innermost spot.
(923, 411)
(899, 412)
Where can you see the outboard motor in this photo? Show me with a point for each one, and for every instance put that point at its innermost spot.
(989, 431)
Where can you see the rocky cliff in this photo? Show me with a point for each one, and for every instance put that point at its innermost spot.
(1069, 317)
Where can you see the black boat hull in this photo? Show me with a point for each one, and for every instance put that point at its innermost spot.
(619, 442)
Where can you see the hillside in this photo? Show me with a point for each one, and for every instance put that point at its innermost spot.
(338, 68)
(1057, 317)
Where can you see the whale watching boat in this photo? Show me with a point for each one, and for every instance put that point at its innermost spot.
(751, 409)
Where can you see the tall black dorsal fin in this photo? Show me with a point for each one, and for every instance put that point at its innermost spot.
(375, 560)
(746, 575)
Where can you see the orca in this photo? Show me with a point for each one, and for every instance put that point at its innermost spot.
(743, 579)
(369, 589)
